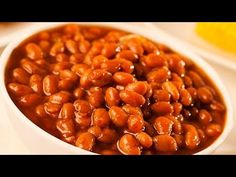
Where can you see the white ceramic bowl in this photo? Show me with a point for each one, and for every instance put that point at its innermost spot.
(41, 142)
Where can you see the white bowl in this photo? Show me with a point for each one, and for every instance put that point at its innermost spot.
(41, 142)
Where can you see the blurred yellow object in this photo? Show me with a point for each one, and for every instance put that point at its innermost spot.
(221, 34)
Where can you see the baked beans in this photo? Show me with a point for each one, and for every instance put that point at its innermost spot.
(112, 92)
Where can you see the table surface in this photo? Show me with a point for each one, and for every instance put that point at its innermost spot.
(11, 144)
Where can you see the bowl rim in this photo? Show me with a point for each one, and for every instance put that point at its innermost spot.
(156, 35)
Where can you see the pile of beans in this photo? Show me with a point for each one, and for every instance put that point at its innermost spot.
(112, 92)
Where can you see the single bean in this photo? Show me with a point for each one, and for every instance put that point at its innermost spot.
(60, 97)
(135, 123)
(213, 130)
(123, 78)
(163, 125)
(21, 75)
(132, 110)
(171, 88)
(19, 89)
(29, 100)
(139, 87)
(108, 136)
(34, 51)
(100, 117)
(112, 97)
(204, 117)
(67, 111)
(204, 95)
(50, 84)
(162, 108)
(165, 143)
(128, 145)
(85, 141)
(36, 83)
(144, 139)
(132, 98)
(118, 116)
